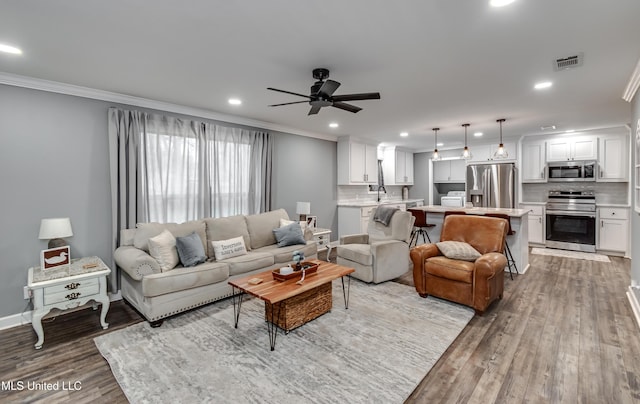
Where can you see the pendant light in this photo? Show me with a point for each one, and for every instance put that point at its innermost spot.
(466, 154)
(501, 153)
(436, 155)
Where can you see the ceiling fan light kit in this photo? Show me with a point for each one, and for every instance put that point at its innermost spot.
(321, 95)
(501, 153)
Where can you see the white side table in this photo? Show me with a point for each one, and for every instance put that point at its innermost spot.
(83, 281)
(323, 238)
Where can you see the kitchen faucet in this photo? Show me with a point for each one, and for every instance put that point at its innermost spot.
(379, 187)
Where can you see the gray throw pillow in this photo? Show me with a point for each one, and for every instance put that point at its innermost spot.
(457, 250)
(289, 235)
(190, 250)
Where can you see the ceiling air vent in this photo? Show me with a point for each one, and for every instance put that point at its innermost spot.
(569, 62)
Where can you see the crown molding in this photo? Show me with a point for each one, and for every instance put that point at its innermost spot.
(632, 86)
(92, 93)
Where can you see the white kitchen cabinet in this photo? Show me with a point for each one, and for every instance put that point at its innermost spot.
(449, 171)
(397, 166)
(484, 153)
(536, 223)
(572, 148)
(357, 162)
(613, 229)
(613, 158)
(533, 162)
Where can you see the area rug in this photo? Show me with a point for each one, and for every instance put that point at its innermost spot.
(571, 254)
(377, 351)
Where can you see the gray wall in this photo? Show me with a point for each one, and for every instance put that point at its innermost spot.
(54, 162)
(420, 188)
(635, 218)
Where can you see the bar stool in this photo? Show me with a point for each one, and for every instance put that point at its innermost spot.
(421, 225)
(510, 261)
(454, 212)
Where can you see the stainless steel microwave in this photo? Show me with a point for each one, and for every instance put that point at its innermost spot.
(570, 171)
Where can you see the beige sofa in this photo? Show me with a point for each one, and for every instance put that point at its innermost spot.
(156, 294)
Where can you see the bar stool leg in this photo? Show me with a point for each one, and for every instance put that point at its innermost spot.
(510, 260)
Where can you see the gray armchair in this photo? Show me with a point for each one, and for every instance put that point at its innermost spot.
(382, 253)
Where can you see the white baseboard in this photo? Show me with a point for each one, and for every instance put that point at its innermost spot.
(16, 320)
(635, 305)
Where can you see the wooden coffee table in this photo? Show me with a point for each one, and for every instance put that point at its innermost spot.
(288, 304)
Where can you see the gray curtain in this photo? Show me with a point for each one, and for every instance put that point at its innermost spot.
(167, 169)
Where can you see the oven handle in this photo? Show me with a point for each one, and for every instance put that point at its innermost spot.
(570, 213)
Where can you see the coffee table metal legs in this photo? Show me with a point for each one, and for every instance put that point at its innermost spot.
(272, 324)
(346, 294)
(237, 304)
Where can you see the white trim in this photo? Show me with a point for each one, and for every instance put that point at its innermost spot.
(635, 305)
(86, 92)
(632, 86)
(16, 320)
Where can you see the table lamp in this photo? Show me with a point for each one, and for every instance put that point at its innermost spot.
(303, 209)
(54, 229)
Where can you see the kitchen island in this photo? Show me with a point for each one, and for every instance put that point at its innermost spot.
(518, 242)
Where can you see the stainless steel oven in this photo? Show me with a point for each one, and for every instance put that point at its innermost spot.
(571, 220)
(572, 171)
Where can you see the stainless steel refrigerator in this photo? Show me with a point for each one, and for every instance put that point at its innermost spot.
(491, 185)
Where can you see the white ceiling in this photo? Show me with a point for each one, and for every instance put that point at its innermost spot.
(435, 62)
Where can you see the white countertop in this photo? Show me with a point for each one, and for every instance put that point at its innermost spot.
(364, 203)
(476, 211)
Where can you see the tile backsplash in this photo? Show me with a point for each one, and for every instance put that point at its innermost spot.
(606, 192)
(361, 192)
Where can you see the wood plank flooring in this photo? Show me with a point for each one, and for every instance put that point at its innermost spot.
(564, 332)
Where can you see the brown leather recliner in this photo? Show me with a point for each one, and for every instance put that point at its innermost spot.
(476, 284)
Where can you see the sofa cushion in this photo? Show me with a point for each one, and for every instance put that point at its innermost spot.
(261, 227)
(458, 250)
(284, 254)
(190, 250)
(249, 262)
(184, 278)
(456, 270)
(225, 228)
(144, 231)
(233, 247)
(163, 249)
(360, 253)
(289, 235)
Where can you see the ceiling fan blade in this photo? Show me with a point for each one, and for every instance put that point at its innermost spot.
(314, 110)
(288, 92)
(346, 107)
(289, 103)
(329, 87)
(357, 97)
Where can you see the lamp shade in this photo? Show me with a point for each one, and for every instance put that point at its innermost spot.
(303, 208)
(55, 228)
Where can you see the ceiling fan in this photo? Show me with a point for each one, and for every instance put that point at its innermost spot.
(322, 95)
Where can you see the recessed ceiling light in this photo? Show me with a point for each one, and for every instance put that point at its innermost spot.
(235, 101)
(404, 134)
(542, 85)
(500, 3)
(548, 127)
(439, 144)
(10, 49)
(477, 134)
(333, 125)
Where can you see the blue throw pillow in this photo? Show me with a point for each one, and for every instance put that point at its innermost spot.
(290, 234)
(190, 250)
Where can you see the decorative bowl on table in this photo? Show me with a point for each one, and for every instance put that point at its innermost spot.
(307, 266)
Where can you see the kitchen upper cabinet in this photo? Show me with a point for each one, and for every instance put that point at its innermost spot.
(397, 166)
(484, 153)
(613, 231)
(533, 161)
(613, 158)
(572, 148)
(357, 163)
(449, 171)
